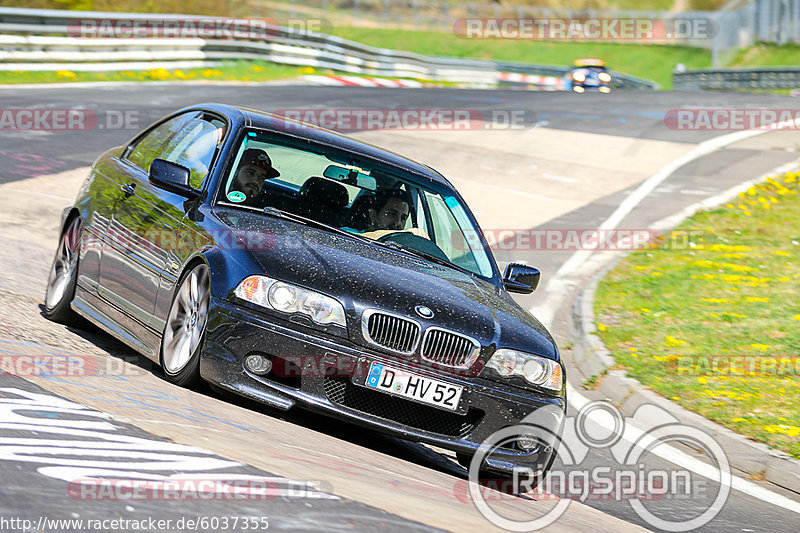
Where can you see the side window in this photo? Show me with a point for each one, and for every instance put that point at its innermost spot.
(444, 225)
(187, 140)
(194, 147)
(151, 145)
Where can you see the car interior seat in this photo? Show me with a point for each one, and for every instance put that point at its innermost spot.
(323, 200)
(358, 217)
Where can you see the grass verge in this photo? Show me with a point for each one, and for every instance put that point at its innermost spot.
(711, 319)
(763, 54)
(239, 70)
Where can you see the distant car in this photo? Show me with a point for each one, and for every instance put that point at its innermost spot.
(277, 289)
(589, 75)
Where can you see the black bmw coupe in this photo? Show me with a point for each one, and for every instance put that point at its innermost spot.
(299, 267)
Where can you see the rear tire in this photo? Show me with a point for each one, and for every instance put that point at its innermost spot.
(64, 275)
(184, 331)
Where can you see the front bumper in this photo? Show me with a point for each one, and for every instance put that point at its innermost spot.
(331, 378)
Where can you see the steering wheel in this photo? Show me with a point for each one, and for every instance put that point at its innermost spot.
(416, 242)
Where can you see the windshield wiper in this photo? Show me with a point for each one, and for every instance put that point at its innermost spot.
(425, 255)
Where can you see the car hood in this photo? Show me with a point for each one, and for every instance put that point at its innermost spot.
(364, 276)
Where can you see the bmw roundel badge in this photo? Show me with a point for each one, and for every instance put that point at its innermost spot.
(424, 312)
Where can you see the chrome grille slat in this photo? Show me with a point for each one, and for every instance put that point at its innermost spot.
(449, 348)
(395, 332)
(390, 331)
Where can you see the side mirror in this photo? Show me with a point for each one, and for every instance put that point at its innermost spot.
(521, 278)
(172, 177)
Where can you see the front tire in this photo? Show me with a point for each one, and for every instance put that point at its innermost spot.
(64, 275)
(184, 332)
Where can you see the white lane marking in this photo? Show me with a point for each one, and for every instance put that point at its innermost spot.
(675, 456)
(558, 287)
(111, 454)
(713, 201)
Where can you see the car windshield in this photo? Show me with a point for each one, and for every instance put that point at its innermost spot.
(361, 197)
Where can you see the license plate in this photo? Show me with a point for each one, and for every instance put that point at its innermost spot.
(401, 383)
(591, 82)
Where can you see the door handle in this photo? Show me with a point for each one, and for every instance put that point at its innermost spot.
(129, 189)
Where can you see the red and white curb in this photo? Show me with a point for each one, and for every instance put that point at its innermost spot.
(530, 82)
(357, 81)
(542, 83)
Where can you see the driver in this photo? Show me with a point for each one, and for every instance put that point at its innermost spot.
(389, 211)
(255, 166)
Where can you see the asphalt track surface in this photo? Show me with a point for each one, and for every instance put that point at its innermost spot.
(26, 492)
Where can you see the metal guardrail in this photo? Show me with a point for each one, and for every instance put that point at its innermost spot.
(33, 39)
(738, 78)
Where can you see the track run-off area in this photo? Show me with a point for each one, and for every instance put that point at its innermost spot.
(554, 162)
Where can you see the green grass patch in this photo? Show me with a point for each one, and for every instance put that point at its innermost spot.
(239, 70)
(653, 62)
(768, 55)
(710, 317)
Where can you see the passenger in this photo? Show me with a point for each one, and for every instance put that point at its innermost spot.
(255, 166)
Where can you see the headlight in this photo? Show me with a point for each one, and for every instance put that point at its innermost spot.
(287, 298)
(579, 76)
(536, 370)
(604, 76)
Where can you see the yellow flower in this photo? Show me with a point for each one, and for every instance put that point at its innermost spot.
(762, 347)
(792, 431)
(601, 327)
(715, 300)
(672, 341)
(644, 310)
(796, 317)
(757, 299)
(702, 380)
(159, 73)
(68, 74)
(739, 420)
(781, 252)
